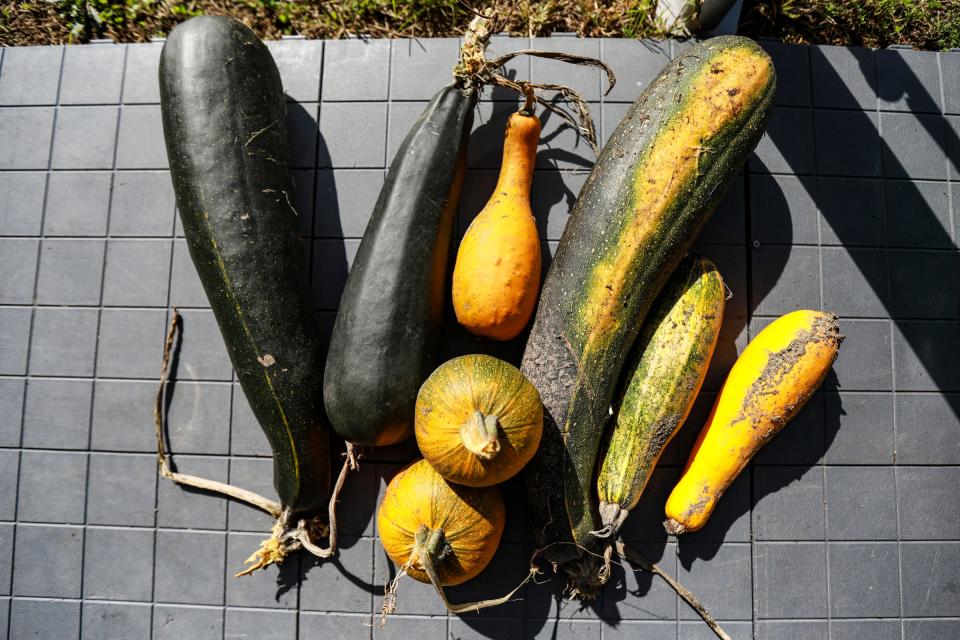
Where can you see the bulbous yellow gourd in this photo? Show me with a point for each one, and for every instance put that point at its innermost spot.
(769, 383)
(497, 273)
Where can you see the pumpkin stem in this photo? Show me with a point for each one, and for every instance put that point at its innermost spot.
(480, 435)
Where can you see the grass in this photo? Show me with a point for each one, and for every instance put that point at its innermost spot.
(924, 24)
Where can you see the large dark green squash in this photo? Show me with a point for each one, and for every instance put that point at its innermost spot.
(385, 336)
(655, 184)
(224, 121)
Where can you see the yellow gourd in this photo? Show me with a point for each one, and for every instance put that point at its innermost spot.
(497, 273)
(428, 525)
(769, 383)
(478, 420)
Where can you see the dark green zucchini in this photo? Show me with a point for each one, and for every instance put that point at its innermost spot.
(385, 336)
(656, 182)
(224, 120)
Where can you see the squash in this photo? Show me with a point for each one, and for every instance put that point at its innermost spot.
(771, 380)
(224, 121)
(655, 184)
(424, 520)
(478, 420)
(669, 361)
(497, 273)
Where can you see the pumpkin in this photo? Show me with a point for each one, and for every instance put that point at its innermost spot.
(428, 525)
(478, 420)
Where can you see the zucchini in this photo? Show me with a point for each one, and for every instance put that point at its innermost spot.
(384, 339)
(658, 179)
(224, 121)
(667, 366)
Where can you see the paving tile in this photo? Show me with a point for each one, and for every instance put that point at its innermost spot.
(137, 273)
(612, 114)
(864, 580)
(342, 122)
(182, 507)
(268, 625)
(568, 629)
(176, 623)
(918, 214)
(70, 272)
(413, 597)
(300, 63)
(58, 550)
(246, 436)
(914, 145)
(83, 138)
(856, 629)
(633, 594)
(929, 509)
(950, 71)
(358, 501)
(636, 63)
(276, 587)
(730, 521)
(44, 619)
(21, 203)
(487, 626)
(6, 557)
(118, 564)
(25, 135)
(52, 488)
(355, 69)
(336, 625)
(928, 428)
(930, 629)
(587, 81)
(131, 342)
(123, 415)
(909, 80)
(843, 77)
(552, 196)
(253, 474)
(560, 145)
(848, 143)
(30, 75)
(186, 289)
(785, 279)
(645, 521)
(91, 75)
(140, 83)
(77, 203)
(929, 573)
(14, 338)
(12, 391)
(857, 284)
(862, 365)
(783, 209)
(331, 263)
(646, 630)
(140, 142)
(861, 429)
(953, 146)
(421, 67)
(922, 285)
(787, 143)
(506, 570)
(195, 554)
(726, 225)
(790, 580)
(345, 202)
(345, 584)
(516, 69)
(788, 503)
(111, 621)
(18, 263)
(143, 204)
(198, 418)
(302, 135)
(851, 210)
(792, 63)
(861, 503)
(401, 628)
(926, 355)
(719, 575)
(56, 414)
(122, 489)
(9, 478)
(203, 355)
(303, 195)
(402, 117)
(792, 630)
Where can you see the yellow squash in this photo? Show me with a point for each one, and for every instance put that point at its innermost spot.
(478, 420)
(497, 273)
(770, 381)
(428, 526)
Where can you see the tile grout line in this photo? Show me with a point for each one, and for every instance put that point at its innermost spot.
(33, 315)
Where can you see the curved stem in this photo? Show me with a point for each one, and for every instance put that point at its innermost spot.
(349, 464)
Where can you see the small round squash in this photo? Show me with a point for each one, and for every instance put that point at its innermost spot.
(478, 420)
(457, 528)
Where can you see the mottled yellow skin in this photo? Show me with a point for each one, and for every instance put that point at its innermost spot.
(770, 381)
(471, 522)
(461, 387)
(497, 274)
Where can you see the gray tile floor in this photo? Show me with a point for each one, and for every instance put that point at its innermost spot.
(846, 526)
